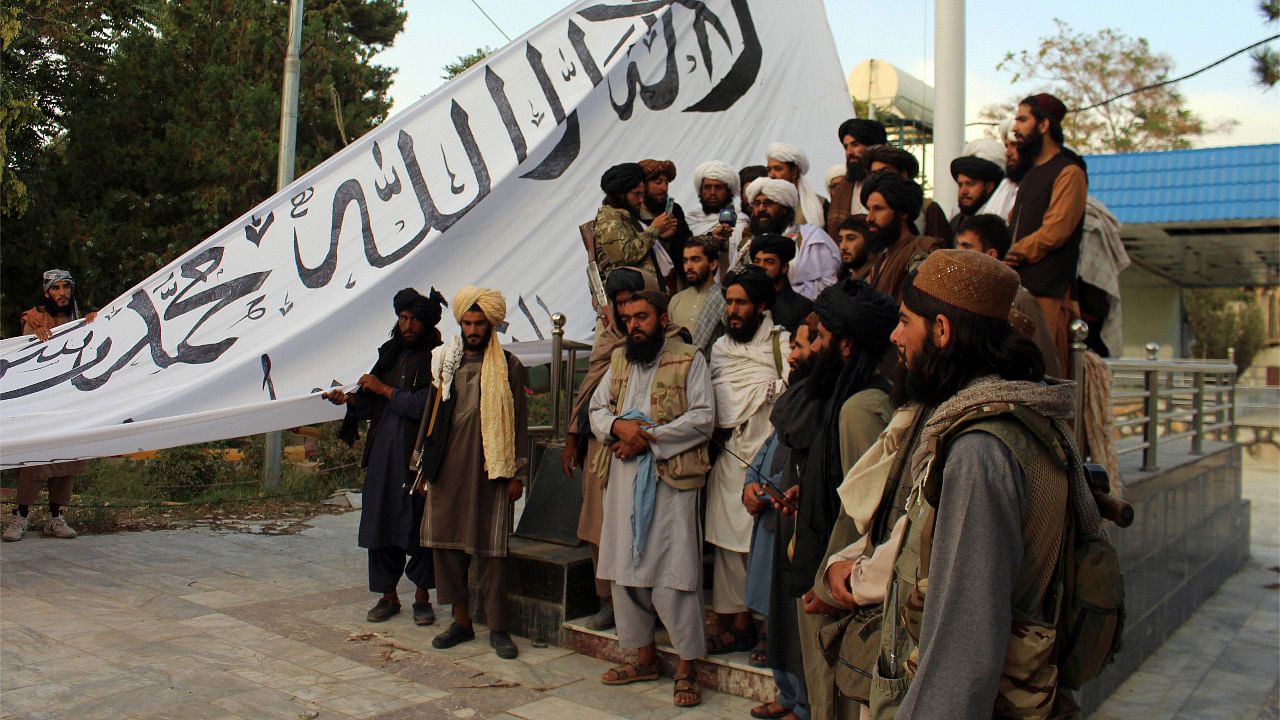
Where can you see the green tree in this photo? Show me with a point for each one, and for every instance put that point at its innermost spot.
(178, 134)
(1222, 318)
(1266, 61)
(454, 69)
(1084, 70)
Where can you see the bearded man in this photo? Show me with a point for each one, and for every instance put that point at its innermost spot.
(580, 443)
(827, 425)
(817, 259)
(747, 376)
(788, 162)
(978, 173)
(887, 158)
(717, 187)
(990, 475)
(620, 238)
(855, 135)
(58, 306)
(773, 253)
(856, 256)
(699, 308)
(1048, 217)
(658, 176)
(485, 463)
(655, 455)
(893, 202)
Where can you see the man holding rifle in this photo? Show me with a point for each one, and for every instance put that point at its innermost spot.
(392, 396)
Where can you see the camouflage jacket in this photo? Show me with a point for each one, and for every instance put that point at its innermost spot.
(621, 243)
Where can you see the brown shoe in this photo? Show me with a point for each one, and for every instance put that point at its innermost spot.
(383, 610)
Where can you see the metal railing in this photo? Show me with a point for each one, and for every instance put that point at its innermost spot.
(1157, 402)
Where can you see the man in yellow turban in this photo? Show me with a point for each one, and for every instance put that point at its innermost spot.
(483, 468)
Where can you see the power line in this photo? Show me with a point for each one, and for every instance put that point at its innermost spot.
(1179, 79)
(491, 20)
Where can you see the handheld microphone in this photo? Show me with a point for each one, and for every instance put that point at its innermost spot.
(728, 216)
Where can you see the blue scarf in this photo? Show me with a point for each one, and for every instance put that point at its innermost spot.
(643, 494)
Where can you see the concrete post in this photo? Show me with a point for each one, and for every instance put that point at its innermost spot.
(948, 97)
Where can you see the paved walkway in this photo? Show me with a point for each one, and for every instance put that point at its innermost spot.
(205, 624)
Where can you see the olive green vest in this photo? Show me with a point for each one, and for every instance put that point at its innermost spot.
(667, 401)
(1028, 680)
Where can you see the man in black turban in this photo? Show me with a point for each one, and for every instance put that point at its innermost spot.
(827, 420)
(620, 238)
(392, 397)
(773, 252)
(855, 135)
(893, 202)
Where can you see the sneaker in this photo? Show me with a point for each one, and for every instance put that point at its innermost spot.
(423, 614)
(602, 620)
(14, 529)
(58, 527)
(454, 635)
(382, 611)
(502, 644)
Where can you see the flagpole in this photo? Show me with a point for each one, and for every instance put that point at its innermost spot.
(948, 83)
(284, 176)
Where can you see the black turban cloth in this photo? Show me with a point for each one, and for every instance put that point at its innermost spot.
(755, 281)
(622, 178)
(867, 132)
(621, 280)
(901, 194)
(774, 244)
(976, 168)
(853, 309)
(428, 310)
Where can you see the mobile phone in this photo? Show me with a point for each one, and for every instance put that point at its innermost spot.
(778, 497)
(670, 202)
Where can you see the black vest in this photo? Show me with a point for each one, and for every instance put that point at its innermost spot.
(1054, 275)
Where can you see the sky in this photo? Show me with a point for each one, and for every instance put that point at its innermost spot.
(1192, 33)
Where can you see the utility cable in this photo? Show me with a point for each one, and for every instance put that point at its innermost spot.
(491, 20)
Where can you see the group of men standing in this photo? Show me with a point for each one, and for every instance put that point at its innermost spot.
(742, 381)
(845, 382)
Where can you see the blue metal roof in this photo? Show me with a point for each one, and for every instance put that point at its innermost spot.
(1227, 183)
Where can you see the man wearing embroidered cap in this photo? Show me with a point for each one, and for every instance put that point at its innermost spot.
(391, 397)
(658, 176)
(1047, 219)
(993, 472)
(58, 307)
(979, 173)
(483, 469)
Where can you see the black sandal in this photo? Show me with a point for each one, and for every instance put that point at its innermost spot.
(743, 640)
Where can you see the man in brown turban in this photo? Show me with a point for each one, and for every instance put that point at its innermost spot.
(484, 467)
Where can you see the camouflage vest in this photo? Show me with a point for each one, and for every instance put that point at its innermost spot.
(1029, 678)
(667, 401)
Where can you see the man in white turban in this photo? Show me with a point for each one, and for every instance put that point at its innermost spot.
(773, 210)
(788, 162)
(716, 184)
(483, 467)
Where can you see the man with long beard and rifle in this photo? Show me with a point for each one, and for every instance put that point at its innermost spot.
(392, 397)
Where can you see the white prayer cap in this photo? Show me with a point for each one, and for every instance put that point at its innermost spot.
(788, 153)
(835, 172)
(715, 170)
(779, 191)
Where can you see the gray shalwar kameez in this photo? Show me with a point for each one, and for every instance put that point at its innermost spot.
(668, 580)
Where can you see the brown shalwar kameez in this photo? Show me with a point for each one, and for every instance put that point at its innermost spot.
(467, 513)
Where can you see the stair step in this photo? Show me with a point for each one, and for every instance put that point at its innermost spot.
(728, 673)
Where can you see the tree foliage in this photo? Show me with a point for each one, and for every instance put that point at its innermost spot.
(1266, 61)
(1222, 318)
(1083, 70)
(454, 69)
(165, 127)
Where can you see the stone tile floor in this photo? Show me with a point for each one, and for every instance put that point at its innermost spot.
(199, 624)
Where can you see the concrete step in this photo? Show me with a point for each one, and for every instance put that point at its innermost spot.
(729, 673)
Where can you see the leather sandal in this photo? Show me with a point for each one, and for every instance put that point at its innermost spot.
(764, 713)
(629, 672)
(742, 640)
(687, 684)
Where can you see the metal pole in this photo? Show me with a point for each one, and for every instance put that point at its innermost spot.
(1079, 331)
(948, 94)
(1197, 419)
(1151, 383)
(284, 176)
(557, 370)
